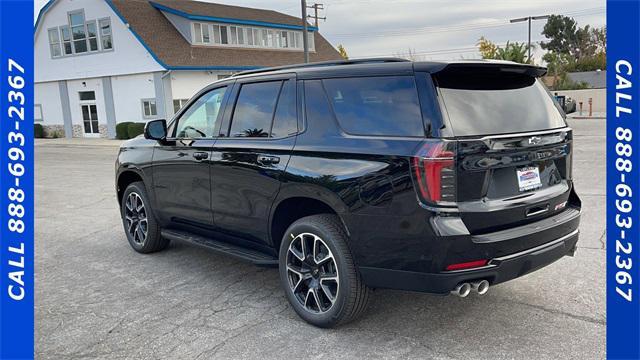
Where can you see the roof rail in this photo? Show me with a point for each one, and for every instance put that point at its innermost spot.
(324, 63)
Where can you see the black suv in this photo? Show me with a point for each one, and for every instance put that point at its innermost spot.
(440, 177)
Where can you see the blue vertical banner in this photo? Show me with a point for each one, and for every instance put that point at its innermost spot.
(623, 182)
(16, 180)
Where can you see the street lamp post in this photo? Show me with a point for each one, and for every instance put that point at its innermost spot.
(528, 19)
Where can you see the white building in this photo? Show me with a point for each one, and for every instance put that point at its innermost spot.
(101, 62)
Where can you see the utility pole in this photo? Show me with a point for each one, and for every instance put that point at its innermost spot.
(305, 36)
(529, 18)
(315, 8)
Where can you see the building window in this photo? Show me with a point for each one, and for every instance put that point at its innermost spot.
(92, 35)
(197, 33)
(54, 42)
(67, 48)
(149, 109)
(205, 34)
(37, 113)
(106, 38)
(80, 36)
(178, 104)
(250, 37)
(78, 31)
(87, 95)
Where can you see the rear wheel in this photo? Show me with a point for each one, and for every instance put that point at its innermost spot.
(139, 222)
(318, 274)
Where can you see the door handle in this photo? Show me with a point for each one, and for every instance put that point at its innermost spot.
(268, 160)
(200, 155)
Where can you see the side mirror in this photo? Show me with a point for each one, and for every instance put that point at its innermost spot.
(156, 130)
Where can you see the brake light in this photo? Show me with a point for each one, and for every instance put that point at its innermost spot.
(467, 265)
(434, 173)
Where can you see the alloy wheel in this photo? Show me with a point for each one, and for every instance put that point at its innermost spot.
(312, 273)
(136, 218)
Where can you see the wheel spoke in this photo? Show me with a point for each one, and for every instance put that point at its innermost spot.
(328, 293)
(298, 274)
(295, 252)
(140, 233)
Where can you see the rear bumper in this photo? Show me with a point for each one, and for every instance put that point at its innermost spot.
(498, 270)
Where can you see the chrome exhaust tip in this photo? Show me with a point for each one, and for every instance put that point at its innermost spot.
(481, 287)
(462, 290)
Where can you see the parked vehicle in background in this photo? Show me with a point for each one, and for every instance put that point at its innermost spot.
(440, 177)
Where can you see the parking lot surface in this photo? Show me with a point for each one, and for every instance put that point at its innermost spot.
(97, 298)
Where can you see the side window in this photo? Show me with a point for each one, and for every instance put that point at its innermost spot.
(386, 105)
(200, 118)
(255, 109)
(285, 122)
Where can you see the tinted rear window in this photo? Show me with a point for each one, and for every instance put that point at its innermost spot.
(492, 102)
(376, 105)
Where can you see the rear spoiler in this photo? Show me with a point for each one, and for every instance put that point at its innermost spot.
(507, 67)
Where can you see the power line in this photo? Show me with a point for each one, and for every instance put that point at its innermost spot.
(465, 49)
(453, 28)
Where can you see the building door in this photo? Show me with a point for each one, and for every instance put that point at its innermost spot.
(89, 113)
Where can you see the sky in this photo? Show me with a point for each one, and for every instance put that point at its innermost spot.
(430, 29)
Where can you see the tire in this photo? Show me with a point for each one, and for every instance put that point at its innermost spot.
(350, 295)
(135, 214)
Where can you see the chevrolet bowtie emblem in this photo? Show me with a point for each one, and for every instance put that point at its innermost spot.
(535, 140)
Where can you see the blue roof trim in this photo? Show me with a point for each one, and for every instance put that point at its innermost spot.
(46, 7)
(163, 64)
(229, 20)
(124, 21)
(41, 14)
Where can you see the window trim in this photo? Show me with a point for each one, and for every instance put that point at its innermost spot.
(84, 27)
(100, 35)
(228, 122)
(88, 38)
(59, 43)
(150, 116)
(41, 113)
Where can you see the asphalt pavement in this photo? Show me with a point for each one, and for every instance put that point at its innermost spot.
(97, 298)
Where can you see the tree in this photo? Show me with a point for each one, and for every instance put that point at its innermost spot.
(343, 52)
(568, 42)
(487, 48)
(516, 51)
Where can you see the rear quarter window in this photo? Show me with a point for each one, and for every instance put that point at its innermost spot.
(386, 105)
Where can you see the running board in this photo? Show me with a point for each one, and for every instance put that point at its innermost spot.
(250, 255)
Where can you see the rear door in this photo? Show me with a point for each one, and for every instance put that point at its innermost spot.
(252, 151)
(513, 146)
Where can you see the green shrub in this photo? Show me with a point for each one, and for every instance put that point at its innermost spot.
(135, 129)
(38, 131)
(122, 130)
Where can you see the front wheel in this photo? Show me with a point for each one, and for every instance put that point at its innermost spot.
(318, 274)
(140, 225)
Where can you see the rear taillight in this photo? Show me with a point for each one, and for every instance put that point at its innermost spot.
(434, 173)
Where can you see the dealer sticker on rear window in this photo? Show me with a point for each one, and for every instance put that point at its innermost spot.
(529, 178)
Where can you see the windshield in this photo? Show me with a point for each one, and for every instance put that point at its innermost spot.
(492, 102)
